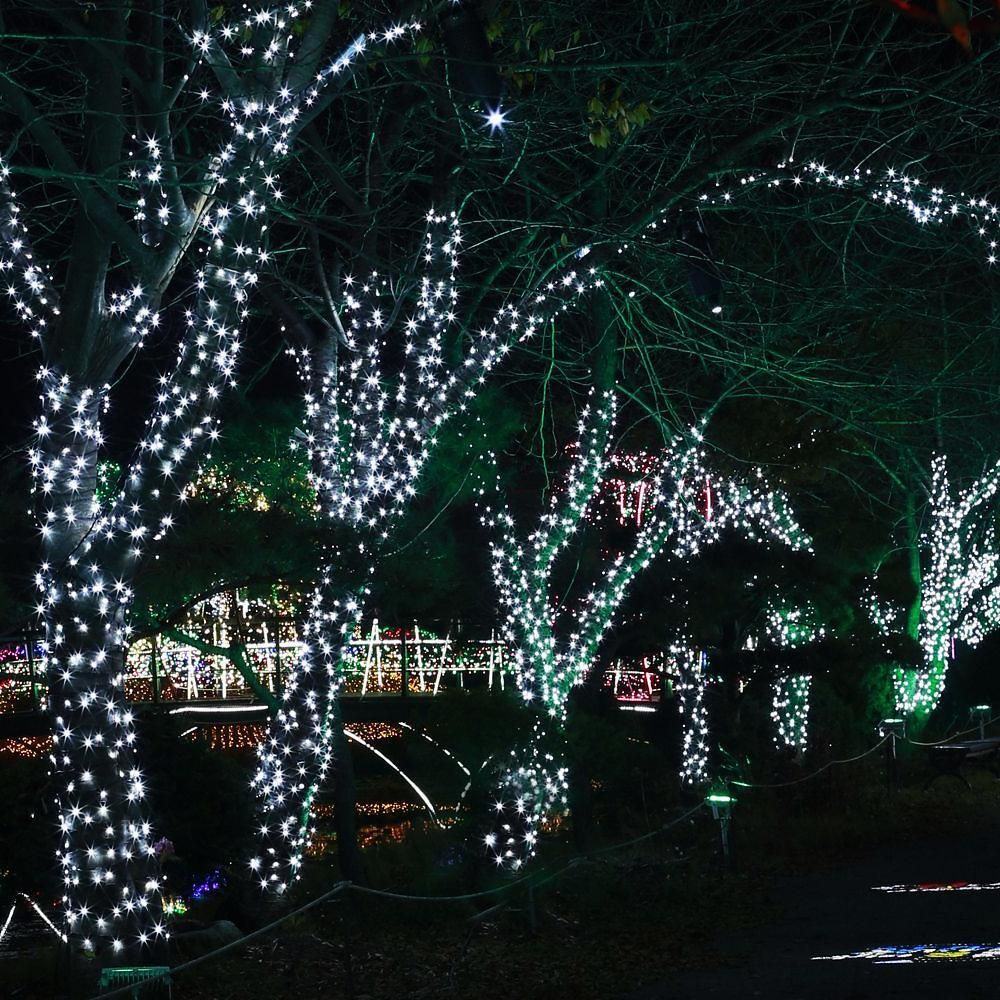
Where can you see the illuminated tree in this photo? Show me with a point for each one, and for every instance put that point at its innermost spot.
(959, 592)
(791, 627)
(379, 384)
(198, 238)
(555, 641)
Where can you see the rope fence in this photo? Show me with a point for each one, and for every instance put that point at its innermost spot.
(954, 736)
(531, 882)
(818, 771)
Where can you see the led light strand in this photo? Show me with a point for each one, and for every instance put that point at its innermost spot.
(890, 189)
(92, 548)
(546, 665)
(790, 711)
(691, 685)
(960, 590)
(791, 627)
(370, 427)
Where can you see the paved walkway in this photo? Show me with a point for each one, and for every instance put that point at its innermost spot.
(837, 913)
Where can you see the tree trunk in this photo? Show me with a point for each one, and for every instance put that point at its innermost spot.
(109, 868)
(302, 745)
(913, 564)
(345, 803)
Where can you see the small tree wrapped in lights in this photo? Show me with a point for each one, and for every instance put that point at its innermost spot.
(555, 643)
(791, 628)
(960, 589)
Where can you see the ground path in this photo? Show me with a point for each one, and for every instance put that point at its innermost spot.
(835, 912)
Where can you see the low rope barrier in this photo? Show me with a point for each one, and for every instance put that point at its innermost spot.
(809, 777)
(533, 882)
(134, 988)
(954, 736)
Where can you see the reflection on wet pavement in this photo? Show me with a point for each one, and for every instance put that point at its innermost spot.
(940, 887)
(908, 954)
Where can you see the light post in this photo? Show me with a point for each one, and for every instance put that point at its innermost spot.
(891, 730)
(980, 715)
(721, 804)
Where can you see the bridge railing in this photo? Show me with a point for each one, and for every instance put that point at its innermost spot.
(410, 661)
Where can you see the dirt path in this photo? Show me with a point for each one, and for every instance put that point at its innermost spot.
(837, 913)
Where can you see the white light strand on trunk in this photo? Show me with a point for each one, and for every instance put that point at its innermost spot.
(692, 683)
(792, 627)
(790, 711)
(372, 420)
(111, 889)
(960, 588)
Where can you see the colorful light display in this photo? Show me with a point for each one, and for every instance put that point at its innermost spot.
(939, 887)
(895, 954)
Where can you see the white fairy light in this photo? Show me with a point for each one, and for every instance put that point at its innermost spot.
(691, 684)
(957, 599)
(791, 627)
(93, 547)
(790, 711)
(554, 645)
(960, 589)
(371, 424)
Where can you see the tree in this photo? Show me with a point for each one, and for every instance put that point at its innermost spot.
(202, 179)
(959, 595)
(555, 640)
(381, 376)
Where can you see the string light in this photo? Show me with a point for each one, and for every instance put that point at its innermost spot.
(93, 546)
(691, 687)
(371, 423)
(907, 954)
(959, 595)
(790, 711)
(951, 605)
(554, 643)
(792, 627)
(891, 189)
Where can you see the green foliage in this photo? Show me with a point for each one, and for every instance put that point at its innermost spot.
(440, 569)
(608, 113)
(249, 519)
